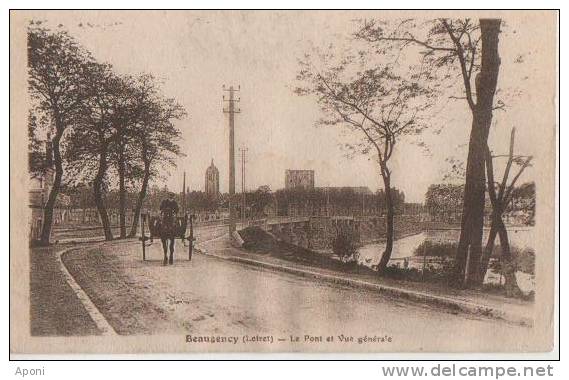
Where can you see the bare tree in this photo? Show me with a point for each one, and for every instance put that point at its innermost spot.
(378, 104)
(501, 194)
(473, 48)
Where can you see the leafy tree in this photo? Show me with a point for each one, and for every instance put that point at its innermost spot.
(81, 198)
(443, 201)
(201, 201)
(156, 139)
(258, 200)
(523, 200)
(118, 122)
(122, 152)
(90, 143)
(55, 84)
(137, 96)
(36, 157)
(335, 200)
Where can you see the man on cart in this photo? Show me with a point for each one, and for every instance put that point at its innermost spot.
(169, 206)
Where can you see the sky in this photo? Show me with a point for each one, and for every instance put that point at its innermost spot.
(196, 53)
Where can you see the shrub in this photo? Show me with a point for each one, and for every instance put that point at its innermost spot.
(436, 249)
(257, 240)
(344, 246)
(442, 272)
(524, 259)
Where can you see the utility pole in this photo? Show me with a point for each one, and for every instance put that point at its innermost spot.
(243, 187)
(231, 110)
(327, 200)
(184, 195)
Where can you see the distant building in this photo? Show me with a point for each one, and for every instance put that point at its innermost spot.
(295, 179)
(212, 180)
(41, 181)
(42, 176)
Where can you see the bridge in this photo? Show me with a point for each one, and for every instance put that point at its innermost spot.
(318, 232)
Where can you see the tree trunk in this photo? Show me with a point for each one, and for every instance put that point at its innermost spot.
(98, 194)
(488, 250)
(388, 223)
(470, 244)
(508, 263)
(122, 193)
(54, 191)
(140, 200)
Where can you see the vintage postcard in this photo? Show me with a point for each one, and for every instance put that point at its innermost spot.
(283, 181)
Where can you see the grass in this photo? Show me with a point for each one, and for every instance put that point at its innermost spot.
(439, 273)
(257, 240)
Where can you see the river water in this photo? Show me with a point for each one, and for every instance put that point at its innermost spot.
(521, 237)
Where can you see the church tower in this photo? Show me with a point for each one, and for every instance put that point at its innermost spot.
(212, 180)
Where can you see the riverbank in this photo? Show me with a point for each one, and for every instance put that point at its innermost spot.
(300, 262)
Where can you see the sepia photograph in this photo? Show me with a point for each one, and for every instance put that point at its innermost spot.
(283, 181)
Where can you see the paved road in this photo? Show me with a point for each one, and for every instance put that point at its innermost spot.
(213, 296)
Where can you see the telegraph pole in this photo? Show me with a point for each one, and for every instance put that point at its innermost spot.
(231, 110)
(243, 187)
(328, 201)
(184, 195)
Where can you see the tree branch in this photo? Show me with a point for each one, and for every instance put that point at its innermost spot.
(462, 60)
(508, 166)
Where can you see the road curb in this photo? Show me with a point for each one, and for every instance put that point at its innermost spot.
(450, 304)
(100, 321)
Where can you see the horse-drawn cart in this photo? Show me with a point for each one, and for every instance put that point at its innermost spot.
(176, 227)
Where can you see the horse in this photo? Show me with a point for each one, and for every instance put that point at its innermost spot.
(168, 227)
